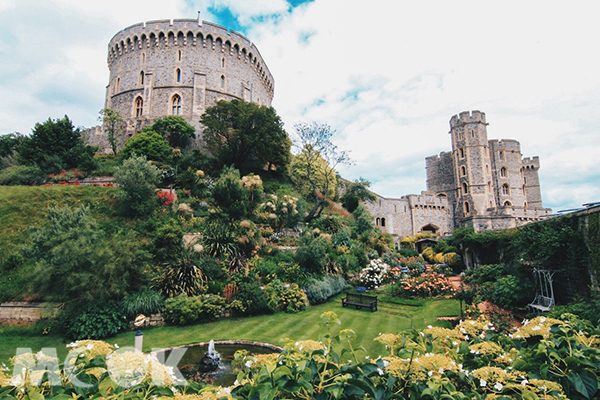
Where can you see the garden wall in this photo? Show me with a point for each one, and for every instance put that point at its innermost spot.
(26, 312)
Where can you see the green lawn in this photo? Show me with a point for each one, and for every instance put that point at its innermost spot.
(391, 318)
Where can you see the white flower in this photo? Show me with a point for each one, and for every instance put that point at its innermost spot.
(89, 346)
(429, 326)
(524, 382)
(116, 346)
(380, 371)
(173, 389)
(441, 371)
(430, 373)
(543, 319)
(248, 364)
(498, 386)
(482, 383)
(385, 363)
(536, 328)
(39, 355)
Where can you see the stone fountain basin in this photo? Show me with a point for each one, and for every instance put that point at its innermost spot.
(226, 348)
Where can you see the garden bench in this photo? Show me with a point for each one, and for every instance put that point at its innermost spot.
(360, 301)
(541, 304)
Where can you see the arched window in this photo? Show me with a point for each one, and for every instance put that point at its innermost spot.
(141, 77)
(176, 105)
(222, 81)
(507, 204)
(489, 186)
(503, 172)
(465, 188)
(505, 189)
(118, 85)
(463, 170)
(377, 221)
(501, 155)
(382, 221)
(139, 106)
(462, 152)
(178, 75)
(223, 62)
(467, 208)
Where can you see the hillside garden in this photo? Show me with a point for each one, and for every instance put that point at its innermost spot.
(251, 240)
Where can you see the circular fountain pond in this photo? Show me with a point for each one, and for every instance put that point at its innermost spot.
(193, 363)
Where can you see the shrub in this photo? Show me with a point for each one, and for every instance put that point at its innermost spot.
(22, 175)
(428, 284)
(373, 276)
(93, 321)
(321, 290)
(230, 195)
(150, 145)
(251, 296)
(312, 253)
(138, 179)
(485, 273)
(183, 310)
(509, 292)
(145, 302)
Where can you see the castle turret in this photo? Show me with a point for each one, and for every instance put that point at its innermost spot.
(531, 182)
(472, 172)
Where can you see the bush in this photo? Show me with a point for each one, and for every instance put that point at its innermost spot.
(185, 310)
(485, 273)
(138, 178)
(509, 292)
(150, 145)
(321, 290)
(426, 285)
(145, 302)
(312, 253)
(252, 297)
(22, 175)
(93, 321)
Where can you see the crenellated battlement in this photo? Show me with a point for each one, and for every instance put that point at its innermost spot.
(178, 33)
(505, 144)
(531, 162)
(467, 117)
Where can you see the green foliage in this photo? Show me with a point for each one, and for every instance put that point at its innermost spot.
(312, 252)
(185, 310)
(509, 293)
(363, 224)
(583, 307)
(22, 175)
(220, 240)
(230, 195)
(322, 289)
(356, 192)
(251, 295)
(76, 260)
(168, 239)
(55, 145)
(145, 301)
(93, 321)
(181, 274)
(114, 125)
(9, 144)
(239, 133)
(138, 178)
(149, 144)
(175, 129)
(485, 273)
(288, 298)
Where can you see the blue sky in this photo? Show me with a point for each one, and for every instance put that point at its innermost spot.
(387, 75)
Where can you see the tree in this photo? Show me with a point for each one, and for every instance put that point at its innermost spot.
(55, 145)
(9, 147)
(175, 129)
(357, 191)
(149, 144)
(230, 194)
(115, 126)
(75, 260)
(138, 178)
(238, 132)
(316, 163)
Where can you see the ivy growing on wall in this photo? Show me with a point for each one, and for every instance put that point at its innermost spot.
(593, 236)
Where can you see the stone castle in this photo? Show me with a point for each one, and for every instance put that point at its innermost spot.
(179, 67)
(484, 184)
(182, 66)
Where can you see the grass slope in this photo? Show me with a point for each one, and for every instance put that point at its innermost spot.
(391, 318)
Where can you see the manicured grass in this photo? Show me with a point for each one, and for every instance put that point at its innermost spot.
(391, 318)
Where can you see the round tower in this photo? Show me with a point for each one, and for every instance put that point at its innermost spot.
(181, 67)
(472, 168)
(508, 176)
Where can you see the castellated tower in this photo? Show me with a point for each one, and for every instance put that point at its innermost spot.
(487, 182)
(181, 67)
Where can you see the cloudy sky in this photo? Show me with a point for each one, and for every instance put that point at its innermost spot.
(387, 75)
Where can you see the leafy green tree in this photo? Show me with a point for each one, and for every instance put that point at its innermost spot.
(238, 132)
(76, 261)
(55, 145)
(114, 125)
(316, 163)
(230, 194)
(149, 144)
(9, 146)
(357, 191)
(175, 129)
(138, 178)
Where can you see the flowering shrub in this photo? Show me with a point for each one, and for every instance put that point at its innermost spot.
(280, 211)
(373, 276)
(165, 198)
(428, 284)
(67, 175)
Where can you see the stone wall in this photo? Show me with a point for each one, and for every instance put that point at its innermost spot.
(26, 312)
